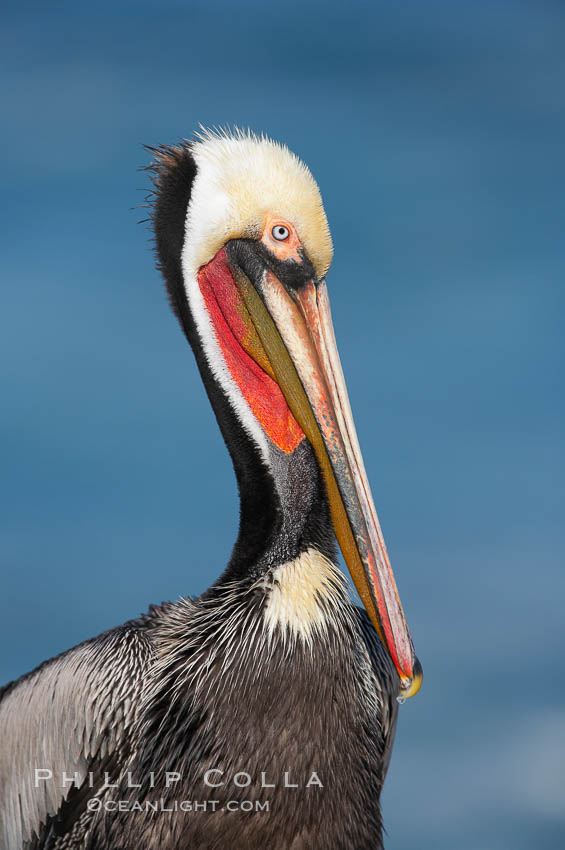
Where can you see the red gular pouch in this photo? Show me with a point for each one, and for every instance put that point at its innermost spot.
(244, 354)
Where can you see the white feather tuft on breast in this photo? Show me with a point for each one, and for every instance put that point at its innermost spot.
(304, 596)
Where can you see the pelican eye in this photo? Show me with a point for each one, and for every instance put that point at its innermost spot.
(280, 232)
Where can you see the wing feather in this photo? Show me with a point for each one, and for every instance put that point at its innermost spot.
(61, 719)
(386, 683)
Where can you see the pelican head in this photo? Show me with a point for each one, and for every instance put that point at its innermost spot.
(249, 263)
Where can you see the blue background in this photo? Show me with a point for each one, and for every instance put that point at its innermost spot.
(437, 133)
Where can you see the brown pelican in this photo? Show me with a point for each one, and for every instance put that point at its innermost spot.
(262, 714)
